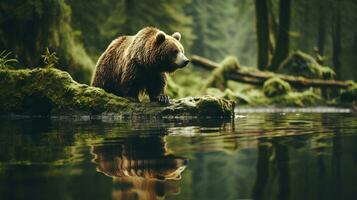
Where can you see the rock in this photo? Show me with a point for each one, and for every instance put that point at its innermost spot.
(200, 106)
(218, 76)
(49, 91)
(302, 64)
(275, 87)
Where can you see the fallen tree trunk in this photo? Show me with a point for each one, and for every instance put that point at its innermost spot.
(256, 77)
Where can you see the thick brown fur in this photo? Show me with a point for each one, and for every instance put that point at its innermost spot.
(133, 64)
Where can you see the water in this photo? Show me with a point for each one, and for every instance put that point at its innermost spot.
(254, 156)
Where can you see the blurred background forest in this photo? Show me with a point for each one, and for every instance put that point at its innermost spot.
(79, 31)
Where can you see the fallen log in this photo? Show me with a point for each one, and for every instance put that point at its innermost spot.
(256, 77)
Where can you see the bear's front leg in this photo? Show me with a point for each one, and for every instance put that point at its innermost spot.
(156, 89)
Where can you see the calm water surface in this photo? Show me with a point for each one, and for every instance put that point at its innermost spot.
(254, 156)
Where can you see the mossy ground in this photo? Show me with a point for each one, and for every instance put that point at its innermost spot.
(49, 91)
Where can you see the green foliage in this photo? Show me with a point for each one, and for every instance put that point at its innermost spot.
(276, 87)
(50, 59)
(5, 62)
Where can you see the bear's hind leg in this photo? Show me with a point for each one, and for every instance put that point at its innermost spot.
(132, 95)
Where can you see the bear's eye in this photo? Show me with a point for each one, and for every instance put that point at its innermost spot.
(176, 51)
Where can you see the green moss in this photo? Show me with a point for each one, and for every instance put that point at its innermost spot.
(218, 78)
(42, 91)
(254, 96)
(236, 97)
(46, 91)
(302, 64)
(275, 87)
(201, 106)
(349, 95)
(298, 99)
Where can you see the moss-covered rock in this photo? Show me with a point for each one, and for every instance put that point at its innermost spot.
(217, 78)
(275, 87)
(201, 106)
(237, 97)
(302, 64)
(49, 91)
(349, 95)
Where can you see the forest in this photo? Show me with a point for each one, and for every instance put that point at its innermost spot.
(258, 40)
(253, 99)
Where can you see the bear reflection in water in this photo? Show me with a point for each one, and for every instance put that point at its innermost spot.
(141, 167)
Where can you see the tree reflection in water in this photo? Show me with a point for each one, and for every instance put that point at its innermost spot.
(141, 167)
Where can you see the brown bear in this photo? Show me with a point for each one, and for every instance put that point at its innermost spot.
(144, 165)
(134, 64)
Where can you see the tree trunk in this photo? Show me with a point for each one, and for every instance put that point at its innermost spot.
(262, 25)
(273, 28)
(282, 46)
(336, 44)
(321, 32)
(321, 35)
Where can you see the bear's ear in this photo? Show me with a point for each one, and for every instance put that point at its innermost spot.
(177, 36)
(160, 37)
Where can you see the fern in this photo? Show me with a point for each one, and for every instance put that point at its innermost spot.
(50, 59)
(5, 62)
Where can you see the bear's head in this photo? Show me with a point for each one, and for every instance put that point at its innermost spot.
(162, 51)
(170, 51)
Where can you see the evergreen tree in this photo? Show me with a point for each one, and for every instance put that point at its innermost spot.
(283, 38)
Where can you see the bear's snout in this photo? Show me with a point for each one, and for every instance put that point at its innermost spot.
(185, 62)
(182, 60)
